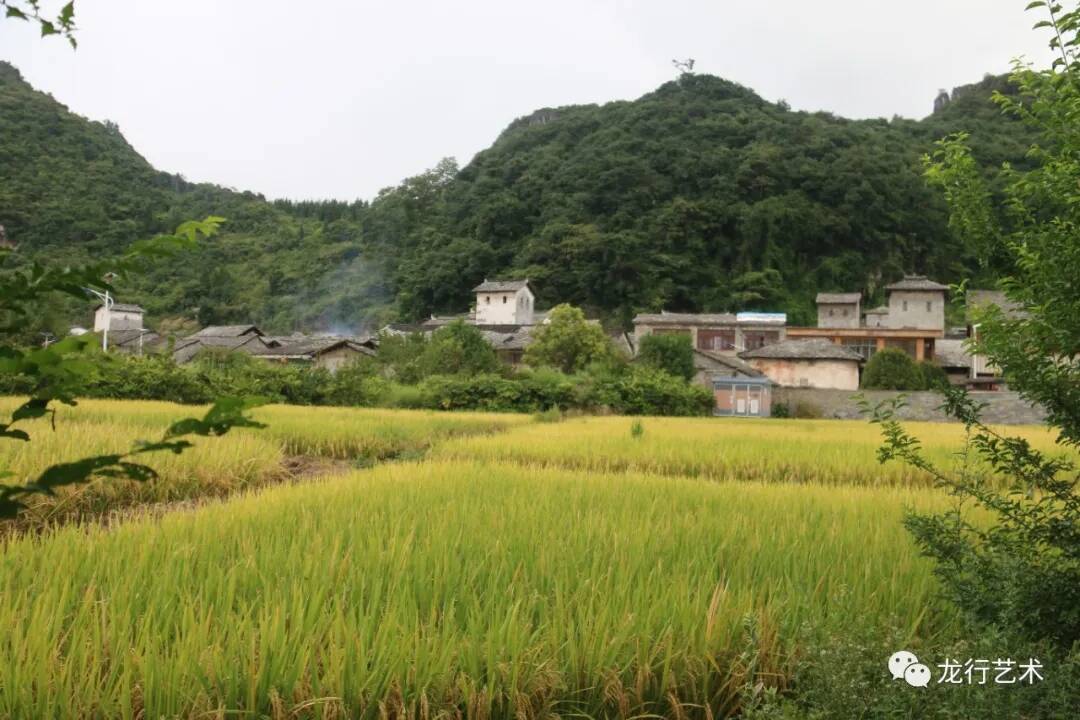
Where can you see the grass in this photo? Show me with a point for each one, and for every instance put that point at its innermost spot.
(215, 467)
(801, 451)
(468, 589)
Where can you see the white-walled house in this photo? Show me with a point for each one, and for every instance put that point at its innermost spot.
(119, 316)
(504, 302)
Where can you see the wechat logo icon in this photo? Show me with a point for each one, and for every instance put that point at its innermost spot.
(904, 664)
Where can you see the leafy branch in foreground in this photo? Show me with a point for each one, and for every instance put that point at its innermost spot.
(1021, 570)
(30, 10)
(58, 372)
(224, 415)
(1015, 562)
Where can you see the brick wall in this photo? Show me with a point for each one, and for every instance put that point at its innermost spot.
(1005, 408)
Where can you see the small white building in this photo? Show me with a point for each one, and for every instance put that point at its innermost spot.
(504, 302)
(118, 316)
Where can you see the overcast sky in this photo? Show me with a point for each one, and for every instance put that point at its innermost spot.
(339, 99)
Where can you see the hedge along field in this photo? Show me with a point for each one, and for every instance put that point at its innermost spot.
(820, 451)
(215, 467)
(474, 590)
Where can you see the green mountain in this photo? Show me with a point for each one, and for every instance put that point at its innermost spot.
(698, 196)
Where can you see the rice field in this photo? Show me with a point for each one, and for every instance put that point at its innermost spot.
(800, 451)
(214, 467)
(417, 589)
(516, 569)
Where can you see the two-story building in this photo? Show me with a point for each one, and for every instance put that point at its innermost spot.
(912, 320)
(716, 332)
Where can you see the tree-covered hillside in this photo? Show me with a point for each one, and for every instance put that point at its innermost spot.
(698, 196)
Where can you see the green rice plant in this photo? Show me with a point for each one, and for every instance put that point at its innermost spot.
(456, 590)
(774, 450)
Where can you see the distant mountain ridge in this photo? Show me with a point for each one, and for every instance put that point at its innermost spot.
(697, 196)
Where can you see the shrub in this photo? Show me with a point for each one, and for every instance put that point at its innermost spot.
(674, 354)
(479, 392)
(150, 377)
(458, 349)
(646, 391)
(358, 383)
(933, 376)
(780, 410)
(891, 369)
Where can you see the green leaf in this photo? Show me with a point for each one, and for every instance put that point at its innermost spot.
(1036, 4)
(67, 14)
(15, 13)
(47, 28)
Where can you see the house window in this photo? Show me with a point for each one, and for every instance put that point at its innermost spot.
(845, 312)
(716, 339)
(830, 312)
(754, 340)
(487, 299)
(929, 306)
(905, 306)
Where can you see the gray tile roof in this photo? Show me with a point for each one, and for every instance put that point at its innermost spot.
(879, 310)
(226, 331)
(814, 349)
(838, 298)
(312, 345)
(951, 354)
(122, 307)
(518, 338)
(191, 346)
(982, 298)
(500, 285)
(728, 361)
(916, 282)
(666, 318)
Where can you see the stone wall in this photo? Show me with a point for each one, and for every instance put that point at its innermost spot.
(1005, 408)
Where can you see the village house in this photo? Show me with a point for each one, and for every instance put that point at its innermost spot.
(983, 374)
(738, 387)
(123, 323)
(504, 302)
(222, 338)
(717, 332)
(816, 363)
(912, 321)
(327, 352)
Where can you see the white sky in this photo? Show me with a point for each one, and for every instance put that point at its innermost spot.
(337, 99)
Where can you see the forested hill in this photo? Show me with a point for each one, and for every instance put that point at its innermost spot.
(698, 196)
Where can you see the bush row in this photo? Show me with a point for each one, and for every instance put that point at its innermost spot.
(623, 389)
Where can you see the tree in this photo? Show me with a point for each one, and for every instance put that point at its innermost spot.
(1020, 571)
(568, 341)
(671, 353)
(457, 349)
(892, 369)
